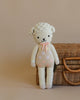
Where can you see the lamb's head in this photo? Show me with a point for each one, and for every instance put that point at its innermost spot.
(43, 32)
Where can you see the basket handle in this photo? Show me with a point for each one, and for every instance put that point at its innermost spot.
(68, 81)
(70, 70)
(66, 67)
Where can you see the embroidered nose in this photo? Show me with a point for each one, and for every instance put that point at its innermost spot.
(43, 39)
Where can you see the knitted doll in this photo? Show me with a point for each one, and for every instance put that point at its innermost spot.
(44, 54)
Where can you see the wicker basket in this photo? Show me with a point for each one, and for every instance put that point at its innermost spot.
(68, 71)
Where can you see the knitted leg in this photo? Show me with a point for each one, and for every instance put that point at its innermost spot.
(49, 80)
(41, 72)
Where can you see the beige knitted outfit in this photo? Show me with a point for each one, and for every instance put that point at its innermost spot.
(44, 56)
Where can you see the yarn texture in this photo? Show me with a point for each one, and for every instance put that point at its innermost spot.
(44, 53)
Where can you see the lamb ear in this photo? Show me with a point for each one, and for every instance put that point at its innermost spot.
(53, 29)
(32, 30)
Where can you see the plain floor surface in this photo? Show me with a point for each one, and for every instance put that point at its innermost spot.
(17, 82)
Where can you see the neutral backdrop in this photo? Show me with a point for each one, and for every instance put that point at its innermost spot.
(17, 17)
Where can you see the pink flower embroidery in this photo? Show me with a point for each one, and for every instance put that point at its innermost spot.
(43, 61)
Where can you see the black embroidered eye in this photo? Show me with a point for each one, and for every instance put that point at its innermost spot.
(38, 37)
(48, 35)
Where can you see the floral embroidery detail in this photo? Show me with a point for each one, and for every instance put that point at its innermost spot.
(39, 57)
(43, 53)
(50, 52)
(44, 58)
(43, 61)
(47, 57)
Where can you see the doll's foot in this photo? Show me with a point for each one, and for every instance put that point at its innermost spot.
(42, 86)
(49, 86)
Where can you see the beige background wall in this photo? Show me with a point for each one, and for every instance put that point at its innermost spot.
(17, 17)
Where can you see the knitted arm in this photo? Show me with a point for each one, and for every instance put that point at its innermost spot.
(33, 57)
(55, 55)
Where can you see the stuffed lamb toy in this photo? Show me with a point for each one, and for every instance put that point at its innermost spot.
(44, 54)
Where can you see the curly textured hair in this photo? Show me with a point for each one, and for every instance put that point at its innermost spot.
(42, 27)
